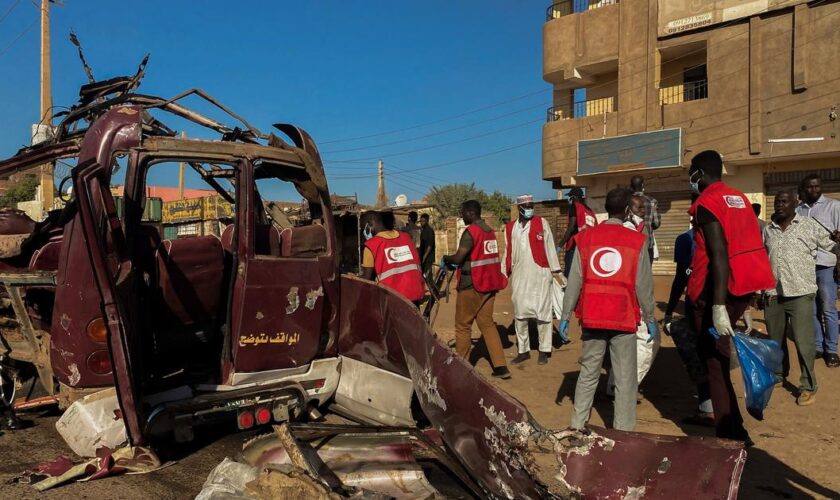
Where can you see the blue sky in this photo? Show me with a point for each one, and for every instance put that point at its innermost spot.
(440, 73)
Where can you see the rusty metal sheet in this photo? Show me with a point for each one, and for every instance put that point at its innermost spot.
(651, 466)
(367, 332)
(502, 446)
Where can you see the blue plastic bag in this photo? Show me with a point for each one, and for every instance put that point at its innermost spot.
(759, 359)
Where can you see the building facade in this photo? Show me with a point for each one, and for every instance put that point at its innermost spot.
(641, 86)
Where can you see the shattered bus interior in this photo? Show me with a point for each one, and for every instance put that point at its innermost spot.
(258, 326)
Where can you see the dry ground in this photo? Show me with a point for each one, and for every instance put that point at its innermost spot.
(796, 453)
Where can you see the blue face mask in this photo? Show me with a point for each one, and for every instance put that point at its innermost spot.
(367, 232)
(527, 212)
(695, 185)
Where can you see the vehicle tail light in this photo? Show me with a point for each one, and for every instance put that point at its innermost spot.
(245, 419)
(263, 415)
(99, 362)
(96, 330)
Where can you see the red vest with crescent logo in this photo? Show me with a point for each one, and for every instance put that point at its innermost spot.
(749, 264)
(535, 240)
(609, 261)
(485, 264)
(585, 217)
(398, 265)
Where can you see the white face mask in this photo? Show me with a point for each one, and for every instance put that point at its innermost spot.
(527, 212)
(636, 219)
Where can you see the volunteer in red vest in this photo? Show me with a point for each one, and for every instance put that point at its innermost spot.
(610, 289)
(479, 278)
(646, 349)
(729, 265)
(580, 218)
(390, 257)
(530, 262)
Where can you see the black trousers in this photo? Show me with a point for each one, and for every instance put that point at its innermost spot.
(715, 353)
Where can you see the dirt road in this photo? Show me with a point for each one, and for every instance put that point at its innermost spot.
(796, 453)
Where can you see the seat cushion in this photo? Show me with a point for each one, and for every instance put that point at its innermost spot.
(191, 278)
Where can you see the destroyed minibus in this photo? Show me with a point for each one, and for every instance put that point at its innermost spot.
(258, 326)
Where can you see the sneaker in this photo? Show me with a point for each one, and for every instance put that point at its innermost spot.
(501, 372)
(818, 355)
(521, 358)
(832, 360)
(806, 398)
(543, 358)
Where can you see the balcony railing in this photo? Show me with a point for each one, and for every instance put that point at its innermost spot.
(580, 109)
(684, 92)
(566, 7)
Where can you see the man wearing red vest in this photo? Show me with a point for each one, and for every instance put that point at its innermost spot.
(729, 265)
(580, 218)
(611, 289)
(391, 257)
(530, 261)
(480, 277)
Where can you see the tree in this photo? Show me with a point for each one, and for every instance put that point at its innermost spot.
(448, 198)
(23, 190)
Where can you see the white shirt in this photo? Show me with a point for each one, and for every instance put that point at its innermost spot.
(530, 283)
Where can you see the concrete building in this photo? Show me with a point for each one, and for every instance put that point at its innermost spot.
(640, 86)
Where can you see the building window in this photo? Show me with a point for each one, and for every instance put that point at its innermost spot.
(581, 102)
(683, 74)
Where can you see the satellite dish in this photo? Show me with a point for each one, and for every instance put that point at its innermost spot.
(401, 200)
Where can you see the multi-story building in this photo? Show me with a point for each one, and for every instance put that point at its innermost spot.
(640, 86)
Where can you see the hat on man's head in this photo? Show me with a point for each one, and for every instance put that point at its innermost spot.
(523, 199)
(575, 191)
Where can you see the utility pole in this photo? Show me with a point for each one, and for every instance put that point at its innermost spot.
(45, 124)
(381, 197)
(181, 174)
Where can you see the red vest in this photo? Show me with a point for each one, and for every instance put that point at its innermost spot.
(609, 261)
(584, 218)
(749, 265)
(485, 264)
(398, 265)
(535, 240)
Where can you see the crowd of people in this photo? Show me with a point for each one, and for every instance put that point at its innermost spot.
(728, 262)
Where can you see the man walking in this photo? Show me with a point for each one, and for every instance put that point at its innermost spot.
(427, 245)
(530, 262)
(390, 257)
(609, 284)
(792, 242)
(652, 217)
(729, 265)
(580, 218)
(826, 211)
(479, 278)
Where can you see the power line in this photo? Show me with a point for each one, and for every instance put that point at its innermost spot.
(9, 10)
(433, 134)
(603, 84)
(434, 122)
(25, 31)
(435, 146)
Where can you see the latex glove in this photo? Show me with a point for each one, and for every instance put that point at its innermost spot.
(560, 279)
(720, 319)
(444, 265)
(653, 332)
(563, 328)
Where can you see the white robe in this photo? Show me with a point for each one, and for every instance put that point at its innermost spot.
(530, 283)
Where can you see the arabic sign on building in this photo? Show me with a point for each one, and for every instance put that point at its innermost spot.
(679, 16)
(658, 149)
(208, 207)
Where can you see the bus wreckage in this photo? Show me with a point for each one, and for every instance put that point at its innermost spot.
(257, 327)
